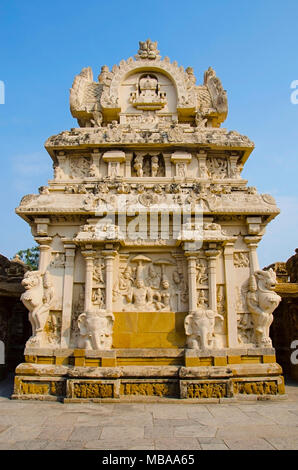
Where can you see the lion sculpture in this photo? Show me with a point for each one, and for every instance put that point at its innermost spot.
(37, 298)
(261, 302)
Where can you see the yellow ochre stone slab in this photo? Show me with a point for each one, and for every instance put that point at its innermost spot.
(149, 330)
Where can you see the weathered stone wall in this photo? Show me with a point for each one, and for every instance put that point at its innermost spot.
(284, 329)
(14, 324)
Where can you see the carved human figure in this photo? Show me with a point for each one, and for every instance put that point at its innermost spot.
(114, 169)
(126, 282)
(202, 276)
(98, 297)
(138, 165)
(261, 302)
(97, 273)
(181, 170)
(199, 327)
(37, 298)
(93, 171)
(58, 172)
(140, 296)
(96, 330)
(153, 278)
(154, 166)
(162, 298)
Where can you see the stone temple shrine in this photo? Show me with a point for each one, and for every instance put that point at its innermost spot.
(148, 284)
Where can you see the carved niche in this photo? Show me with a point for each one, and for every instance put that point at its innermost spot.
(145, 165)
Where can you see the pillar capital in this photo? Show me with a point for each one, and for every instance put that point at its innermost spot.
(252, 240)
(212, 253)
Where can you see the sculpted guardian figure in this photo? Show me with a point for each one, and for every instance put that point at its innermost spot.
(37, 298)
(261, 302)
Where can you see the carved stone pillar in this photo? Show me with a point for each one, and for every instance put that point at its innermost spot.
(109, 259)
(95, 161)
(89, 260)
(192, 285)
(44, 253)
(67, 294)
(232, 337)
(201, 156)
(211, 257)
(181, 160)
(252, 243)
(114, 158)
(128, 159)
(234, 170)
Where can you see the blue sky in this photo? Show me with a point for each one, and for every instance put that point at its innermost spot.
(252, 45)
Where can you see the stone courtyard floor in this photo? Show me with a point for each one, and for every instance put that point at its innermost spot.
(261, 425)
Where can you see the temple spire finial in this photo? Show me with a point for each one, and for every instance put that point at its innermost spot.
(148, 50)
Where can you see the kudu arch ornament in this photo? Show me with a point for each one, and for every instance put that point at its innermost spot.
(148, 282)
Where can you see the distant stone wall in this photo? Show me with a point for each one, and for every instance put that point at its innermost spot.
(14, 324)
(284, 329)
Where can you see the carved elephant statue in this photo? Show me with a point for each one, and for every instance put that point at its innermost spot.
(199, 328)
(95, 330)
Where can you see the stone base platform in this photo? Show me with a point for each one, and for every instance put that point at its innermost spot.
(151, 375)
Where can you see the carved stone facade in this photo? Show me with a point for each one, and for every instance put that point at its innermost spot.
(148, 237)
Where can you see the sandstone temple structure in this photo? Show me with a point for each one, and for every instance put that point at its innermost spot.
(148, 285)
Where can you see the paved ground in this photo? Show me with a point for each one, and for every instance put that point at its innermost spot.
(50, 425)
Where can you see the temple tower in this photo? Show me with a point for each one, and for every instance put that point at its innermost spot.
(148, 283)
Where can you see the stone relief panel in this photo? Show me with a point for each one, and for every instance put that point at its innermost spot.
(241, 259)
(150, 283)
(217, 167)
(79, 167)
(98, 288)
(53, 328)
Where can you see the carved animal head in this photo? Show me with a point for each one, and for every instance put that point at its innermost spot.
(31, 279)
(266, 279)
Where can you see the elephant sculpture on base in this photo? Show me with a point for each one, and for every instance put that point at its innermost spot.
(262, 301)
(96, 330)
(199, 328)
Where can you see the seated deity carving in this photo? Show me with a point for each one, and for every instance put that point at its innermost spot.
(140, 297)
(38, 299)
(262, 301)
(148, 95)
